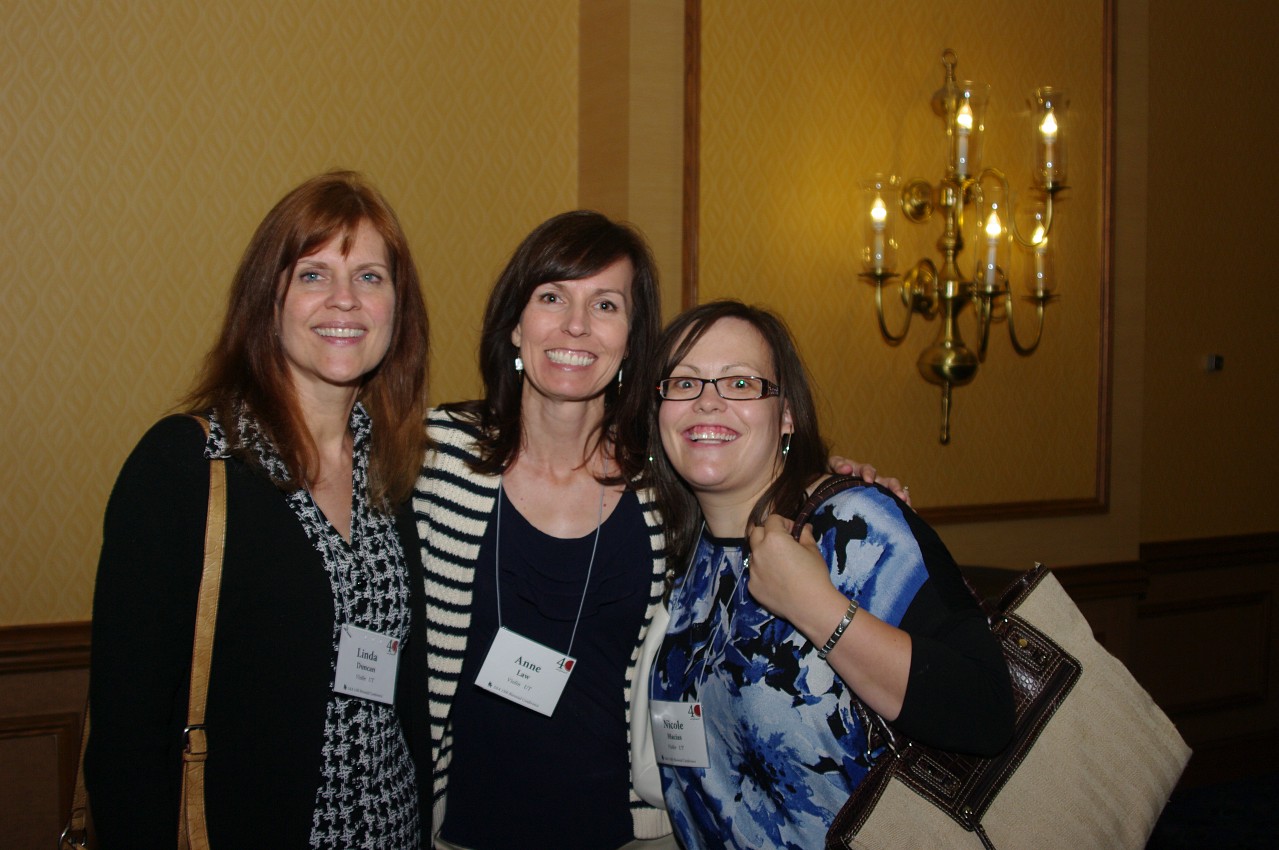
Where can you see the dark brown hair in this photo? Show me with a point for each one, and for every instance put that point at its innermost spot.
(570, 246)
(247, 364)
(806, 459)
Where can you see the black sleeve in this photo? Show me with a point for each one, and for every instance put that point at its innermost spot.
(412, 685)
(959, 696)
(143, 626)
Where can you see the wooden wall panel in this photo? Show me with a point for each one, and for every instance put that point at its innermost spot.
(38, 756)
(44, 675)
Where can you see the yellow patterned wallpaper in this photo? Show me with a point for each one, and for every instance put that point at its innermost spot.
(140, 143)
(801, 100)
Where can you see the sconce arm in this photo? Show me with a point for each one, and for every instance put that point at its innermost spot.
(1047, 222)
(1040, 302)
(878, 279)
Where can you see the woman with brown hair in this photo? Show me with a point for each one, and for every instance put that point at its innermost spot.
(533, 534)
(771, 639)
(315, 395)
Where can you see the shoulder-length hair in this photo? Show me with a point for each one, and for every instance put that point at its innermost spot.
(247, 365)
(805, 460)
(570, 246)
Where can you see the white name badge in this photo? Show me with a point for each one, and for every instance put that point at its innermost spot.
(367, 664)
(525, 671)
(679, 733)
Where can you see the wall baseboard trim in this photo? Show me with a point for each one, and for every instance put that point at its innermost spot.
(44, 647)
(1198, 553)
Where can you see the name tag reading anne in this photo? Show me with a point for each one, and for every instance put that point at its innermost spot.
(367, 664)
(525, 671)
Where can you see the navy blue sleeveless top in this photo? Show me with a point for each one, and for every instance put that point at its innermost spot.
(519, 778)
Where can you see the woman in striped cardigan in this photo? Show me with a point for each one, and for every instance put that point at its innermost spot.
(532, 526)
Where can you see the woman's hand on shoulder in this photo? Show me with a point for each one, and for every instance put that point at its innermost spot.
(866, 472)
(786, 575)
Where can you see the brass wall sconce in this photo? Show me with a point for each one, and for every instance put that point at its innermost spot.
(930, 290)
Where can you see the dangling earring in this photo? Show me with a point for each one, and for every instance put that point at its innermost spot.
(786, 438)
(619, 376)
(519, 364)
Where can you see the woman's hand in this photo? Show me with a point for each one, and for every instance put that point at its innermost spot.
(788, 577)
(792, 580)
(843, 466)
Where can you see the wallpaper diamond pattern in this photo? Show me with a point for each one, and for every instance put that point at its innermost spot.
(140, 143)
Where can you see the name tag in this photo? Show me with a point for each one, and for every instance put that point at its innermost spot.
(367, 664)
(525, 671)
(679, 733)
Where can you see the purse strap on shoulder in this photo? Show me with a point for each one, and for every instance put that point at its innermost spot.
(823, 491)
(75, 835)
(879, 733)
(193, 831)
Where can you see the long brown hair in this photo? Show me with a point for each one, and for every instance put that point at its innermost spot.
(569, 246)
(247, 366)
(805, 460)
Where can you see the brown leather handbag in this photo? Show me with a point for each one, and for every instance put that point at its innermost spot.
(1091, 763)
(193, 833)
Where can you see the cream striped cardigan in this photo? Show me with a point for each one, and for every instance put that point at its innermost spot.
(452, 506)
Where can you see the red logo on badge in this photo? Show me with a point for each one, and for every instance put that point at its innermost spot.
(567, 664)
(697, 709)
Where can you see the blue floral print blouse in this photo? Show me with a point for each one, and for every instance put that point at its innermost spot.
(784, 744)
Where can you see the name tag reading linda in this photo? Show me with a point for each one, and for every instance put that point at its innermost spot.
(525, 671)
(367, 664)
(679, 733)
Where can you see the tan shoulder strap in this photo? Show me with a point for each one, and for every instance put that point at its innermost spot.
(192, 828)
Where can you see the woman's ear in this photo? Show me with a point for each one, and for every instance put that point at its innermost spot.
(516, 336)
(788, 424)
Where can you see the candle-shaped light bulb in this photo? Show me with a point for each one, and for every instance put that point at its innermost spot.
(1048, 138)
(1040, 241)
(1049, 127)
(878, 220)
(879, 212)
(994, 229)
(963, 126)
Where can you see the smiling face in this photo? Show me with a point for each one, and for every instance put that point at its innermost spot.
(725, 450)
(337, 313)
(572, 335)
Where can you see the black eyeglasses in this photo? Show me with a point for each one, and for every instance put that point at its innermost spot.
(733, 387)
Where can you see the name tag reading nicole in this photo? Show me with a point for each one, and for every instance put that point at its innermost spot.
(367, 664)
(525, 672)
(679, 734)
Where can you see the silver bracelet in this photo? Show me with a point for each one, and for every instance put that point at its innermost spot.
(839, 630)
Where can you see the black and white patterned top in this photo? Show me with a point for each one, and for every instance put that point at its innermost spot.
(367, 796)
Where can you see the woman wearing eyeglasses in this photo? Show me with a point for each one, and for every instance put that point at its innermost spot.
(770, 639)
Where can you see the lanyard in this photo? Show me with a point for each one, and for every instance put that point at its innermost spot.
(497, 563)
